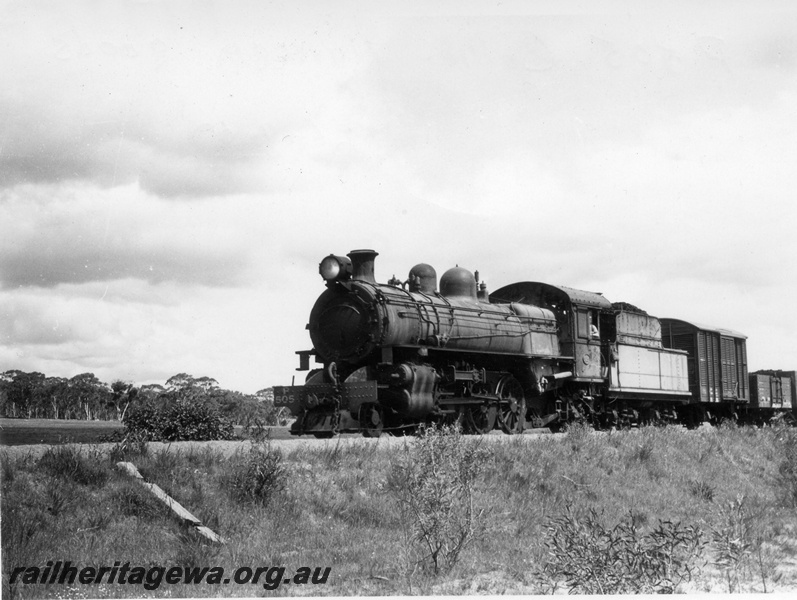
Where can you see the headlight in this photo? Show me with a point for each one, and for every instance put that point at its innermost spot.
(335, 268)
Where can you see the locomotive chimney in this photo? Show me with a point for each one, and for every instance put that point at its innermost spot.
(362, 265)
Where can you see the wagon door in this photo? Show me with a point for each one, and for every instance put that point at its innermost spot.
(730, 381)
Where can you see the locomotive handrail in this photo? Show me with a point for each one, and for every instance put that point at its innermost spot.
(418, 306)
(490, 335)
(480, 311)
(435, 326)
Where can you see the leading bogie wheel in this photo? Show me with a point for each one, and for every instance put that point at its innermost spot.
(371, 421)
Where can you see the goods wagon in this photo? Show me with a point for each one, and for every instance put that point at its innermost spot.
(717, 368)
(773, 395)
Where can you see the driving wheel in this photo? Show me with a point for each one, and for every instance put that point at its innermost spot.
(511, 405)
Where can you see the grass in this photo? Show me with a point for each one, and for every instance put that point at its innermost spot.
(339, 509)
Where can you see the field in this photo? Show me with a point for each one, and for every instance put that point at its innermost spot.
(15, 432)
(19, 432)
(711, 510)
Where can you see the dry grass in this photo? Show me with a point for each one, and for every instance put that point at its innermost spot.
(337, 509)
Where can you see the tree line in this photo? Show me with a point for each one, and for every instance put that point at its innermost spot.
(36, 396)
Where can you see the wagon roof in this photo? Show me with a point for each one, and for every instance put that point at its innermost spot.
(725, 332)
(526, 291)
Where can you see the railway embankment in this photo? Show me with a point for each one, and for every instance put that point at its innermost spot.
(710, 510)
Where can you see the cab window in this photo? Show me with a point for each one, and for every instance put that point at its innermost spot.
(582, 324)
(587, 324)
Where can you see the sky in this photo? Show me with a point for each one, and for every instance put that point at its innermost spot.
(172, 173)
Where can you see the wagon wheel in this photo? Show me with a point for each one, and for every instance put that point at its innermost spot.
(480, 418)
(511, 405)
(371, 421)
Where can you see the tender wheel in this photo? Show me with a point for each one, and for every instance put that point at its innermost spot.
(371, 421)
(480, 419)
(511, 405)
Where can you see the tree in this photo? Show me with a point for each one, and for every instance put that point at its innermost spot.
(187, 388)
(244, 409)
(89, 393)
(150, 391)
(275, 416)
(22, 393)
(265, 395)
(207, 383)
(55, 390)
(184, 381)
(29, 395)
(122, 395)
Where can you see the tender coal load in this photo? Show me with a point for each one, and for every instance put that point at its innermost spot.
(628, 307)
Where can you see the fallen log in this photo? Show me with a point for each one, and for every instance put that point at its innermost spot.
(175, 506)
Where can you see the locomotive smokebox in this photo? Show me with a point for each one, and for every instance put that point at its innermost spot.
(362, 265)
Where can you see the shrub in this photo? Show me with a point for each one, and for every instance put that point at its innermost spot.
(433, 482)
(257, 431)
(787, 469)
(69, 463)
(177, 420)
(592, 559)
(132, 445)
(8, 469)
(579, 434)
(701, 490)
(644, 452)
(732, 541)
(256, 476)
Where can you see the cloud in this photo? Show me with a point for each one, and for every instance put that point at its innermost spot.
(79, 233)
(145, 333)
(186, 103)
(202, 163)
(170, 177)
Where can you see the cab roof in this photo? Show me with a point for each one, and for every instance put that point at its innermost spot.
(531, 292)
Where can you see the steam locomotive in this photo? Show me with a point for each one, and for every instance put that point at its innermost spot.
(530, 355)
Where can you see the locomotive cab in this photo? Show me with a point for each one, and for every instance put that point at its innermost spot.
(579, 317)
